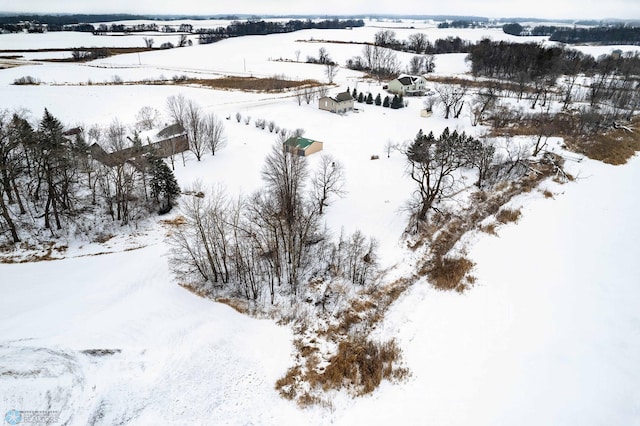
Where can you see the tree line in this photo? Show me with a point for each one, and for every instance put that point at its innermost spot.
(50, 185)
(619, 34)
(613, 34)
(261, 27)
(380, 60)
(38, 23)
(613, 78)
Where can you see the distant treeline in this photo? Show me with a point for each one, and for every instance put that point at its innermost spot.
(530, 61)
(461, 24)
(262, 27)
(539, 30)
(611, 35)
(619, 34)
(40, 23)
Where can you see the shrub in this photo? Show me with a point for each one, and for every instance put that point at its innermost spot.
(447, 273)
(26, 80)
(508, 215)
(362, 364)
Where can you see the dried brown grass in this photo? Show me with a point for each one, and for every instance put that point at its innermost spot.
(448, 273)
(240, 306)
(508, 215)
(270, 84)
(489, 229)
(361, 364)
(176, 221)
(614, 147)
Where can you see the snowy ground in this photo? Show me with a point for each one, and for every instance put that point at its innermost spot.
(550, 334)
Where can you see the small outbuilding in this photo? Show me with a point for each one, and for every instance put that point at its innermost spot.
(302, 146)
(340, 103)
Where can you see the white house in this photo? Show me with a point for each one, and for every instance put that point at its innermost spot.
(340, 103)
(408, 85)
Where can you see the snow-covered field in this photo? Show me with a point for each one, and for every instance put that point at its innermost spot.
(549, 335)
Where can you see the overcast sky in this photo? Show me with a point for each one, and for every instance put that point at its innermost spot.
(578, 9)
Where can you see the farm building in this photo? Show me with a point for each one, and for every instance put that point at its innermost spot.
(169, 141)
(341, 103)
(408, 85)
(302, 146)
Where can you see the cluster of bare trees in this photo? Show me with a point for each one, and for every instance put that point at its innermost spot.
(205, 131)
(49, 180)
(419, 43)
(379, 58)
(309, 94)
(271, 242)
(609, 81)
(382, 62)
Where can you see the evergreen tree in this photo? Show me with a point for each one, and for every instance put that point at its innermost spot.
(385, 103)
(396, 103)
(360, 97)
(163, 184)
(354, 94)
(369, 99)
(378, 100)
(55, 171)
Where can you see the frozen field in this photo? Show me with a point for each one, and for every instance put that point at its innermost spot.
(549, 335)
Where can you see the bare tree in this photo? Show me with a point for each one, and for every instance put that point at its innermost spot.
(451, 97)
(177, 108)
(238, 117)
(484, 101)
(381, 61)
(299, 95)
(118, 182)
(294, 218)
(328, 181)
(147, 118)
(323, 56)
(331, 70)
(429, 103)
(417, 42)
(297, 55)
(308, 94)
(148, 41)
(323, 91)
(416, 64)
(194, 124)
(201, 246)
(214, 132)
(384, 38)
(543, 123)
(182, 41)
(431, 164)
(389, 147)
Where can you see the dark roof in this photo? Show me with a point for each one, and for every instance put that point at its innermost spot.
(406, 80)
(173, 130)
(73, 132)
(344, 96)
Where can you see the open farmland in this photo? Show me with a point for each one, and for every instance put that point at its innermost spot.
(549, 332)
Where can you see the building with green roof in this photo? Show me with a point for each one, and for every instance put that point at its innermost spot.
(302, 146)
